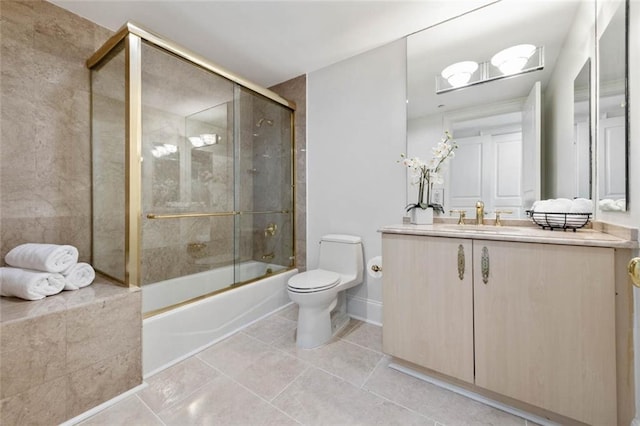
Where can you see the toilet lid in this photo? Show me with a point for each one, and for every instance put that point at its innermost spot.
(314, 280)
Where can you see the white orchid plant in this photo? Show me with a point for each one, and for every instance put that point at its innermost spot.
(425, 175)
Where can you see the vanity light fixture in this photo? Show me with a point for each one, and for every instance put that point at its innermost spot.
(164, 149)
(509, 62)
(459, 73)
(513, 59)
(204, 139)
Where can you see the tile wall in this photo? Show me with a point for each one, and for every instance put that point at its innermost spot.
(296, 91)
(45, 152)
(66, 354)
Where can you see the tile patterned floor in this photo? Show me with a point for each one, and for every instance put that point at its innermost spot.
(259, 377)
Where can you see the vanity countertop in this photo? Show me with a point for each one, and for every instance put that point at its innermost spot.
(592, 237)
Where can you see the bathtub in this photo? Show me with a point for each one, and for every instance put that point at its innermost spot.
(174, 335)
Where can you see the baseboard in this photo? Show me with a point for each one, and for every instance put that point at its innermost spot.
(364, 309)
(472, 395)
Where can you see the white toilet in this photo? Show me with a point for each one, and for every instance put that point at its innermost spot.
(320, 294)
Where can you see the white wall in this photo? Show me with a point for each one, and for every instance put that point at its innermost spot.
(356, 130)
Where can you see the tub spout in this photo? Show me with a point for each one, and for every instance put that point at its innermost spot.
(268, 256)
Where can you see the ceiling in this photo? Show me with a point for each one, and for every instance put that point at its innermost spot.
(268, 42)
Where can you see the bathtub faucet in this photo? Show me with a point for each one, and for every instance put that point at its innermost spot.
(268, 256)
(270, 230)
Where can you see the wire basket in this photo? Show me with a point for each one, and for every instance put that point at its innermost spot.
(562, 221)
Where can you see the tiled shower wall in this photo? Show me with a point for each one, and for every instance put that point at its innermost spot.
(296, 91)
(45, 150)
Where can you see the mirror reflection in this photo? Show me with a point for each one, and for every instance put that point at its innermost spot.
(582, 130)
(206, 131)
(612, 108)
(506, 158)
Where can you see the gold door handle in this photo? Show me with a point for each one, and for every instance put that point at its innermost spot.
(634, 271)
(484, 264)
(461, 262)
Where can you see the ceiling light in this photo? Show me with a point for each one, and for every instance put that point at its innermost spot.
(209, 138)
(196, 141)
(204, 139)
(459, 73)
(513, 59)
(171, 149)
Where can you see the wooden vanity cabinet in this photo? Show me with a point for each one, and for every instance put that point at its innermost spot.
(545, 327)
(541, 330)
(428, 309)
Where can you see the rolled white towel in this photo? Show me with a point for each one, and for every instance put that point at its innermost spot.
(78, 275)
(563, 205)
(42, 257)
(608, 204)
(582, 205)
(544, 206)
(29, 284)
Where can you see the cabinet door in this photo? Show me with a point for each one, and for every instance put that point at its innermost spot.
(428, 312)
(545, 327)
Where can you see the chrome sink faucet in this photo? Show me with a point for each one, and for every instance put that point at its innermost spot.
(479, 213)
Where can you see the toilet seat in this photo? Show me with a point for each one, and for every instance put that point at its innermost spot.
(313, 281)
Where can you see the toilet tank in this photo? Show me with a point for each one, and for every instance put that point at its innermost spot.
(342, 254)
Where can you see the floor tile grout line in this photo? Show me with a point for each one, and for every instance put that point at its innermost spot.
(307, 367)
(261, 397)
(150, 409)
(382, 358)
(337, 377)
(372, 392)
(360, 346)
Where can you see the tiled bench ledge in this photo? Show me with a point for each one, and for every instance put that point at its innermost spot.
(68, 353)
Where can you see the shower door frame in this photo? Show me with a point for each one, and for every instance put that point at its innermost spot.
(133, 34)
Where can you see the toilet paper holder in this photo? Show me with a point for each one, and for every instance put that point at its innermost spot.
(376, 268)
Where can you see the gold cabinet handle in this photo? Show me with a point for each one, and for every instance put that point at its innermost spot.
(461, 263)
(484, 264)
(634, 271)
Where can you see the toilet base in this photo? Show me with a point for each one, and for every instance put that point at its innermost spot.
(316, 326)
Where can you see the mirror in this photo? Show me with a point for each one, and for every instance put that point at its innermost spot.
(506, 157)
(582, 130)
(612, 107)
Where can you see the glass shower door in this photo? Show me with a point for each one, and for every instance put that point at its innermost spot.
(264, 195)
(187, 178)
(108, 151)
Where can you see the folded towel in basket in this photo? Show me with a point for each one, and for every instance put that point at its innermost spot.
(78, 276)
(28, 284)
(42, 257)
